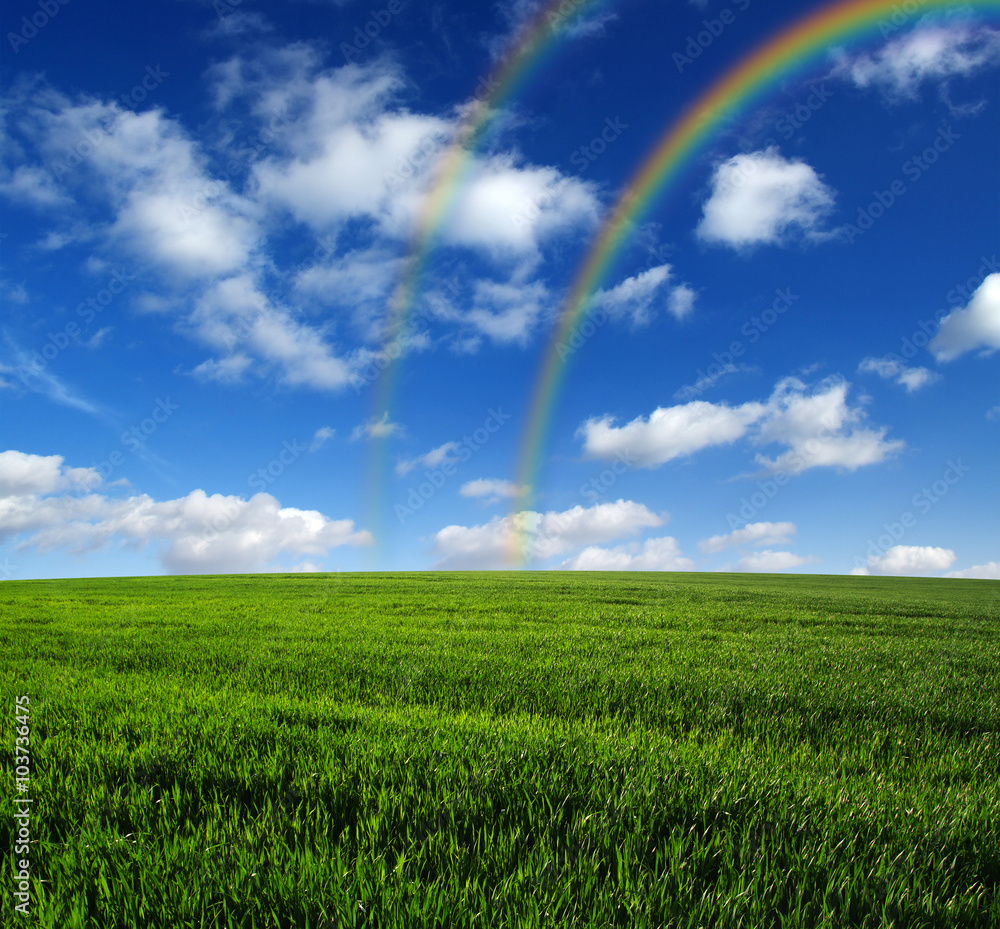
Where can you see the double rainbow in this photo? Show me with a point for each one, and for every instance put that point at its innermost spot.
(536, 36)
(792, 48)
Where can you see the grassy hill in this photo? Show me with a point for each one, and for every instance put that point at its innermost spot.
(504, 749)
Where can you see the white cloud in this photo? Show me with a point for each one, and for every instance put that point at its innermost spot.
(989, 571)
(760, 198)
(432, 459)
(228, 370)
(572, 22)
(508, 210)
(493, 489)
(681, 301)
(321, 437)
(340, 147)
(24, 474)
(820, 430)
(929, 53)
(507, 312)
(42, 381)
(236, 316)
(376, 428)
(165, 206)
(707, 381)
(634, 297)
(768, 561)
(197, 533)
(238, 23)
(662, 554)
(909, 559)
(14, 293)
(751, 534)
(540, 535)
(355, 153)
(974, 326)
(890, 369)
(34, 186)
(359, 282)
(97, 339)
(669, 432)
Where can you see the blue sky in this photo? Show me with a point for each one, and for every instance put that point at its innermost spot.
(207, 208)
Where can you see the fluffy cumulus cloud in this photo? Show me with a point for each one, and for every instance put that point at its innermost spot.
(234, 316)
(935, 52)
(510, 210)
(22, 475)
(506, 312)
(196, 534)
(820, 429)
(205, 220)
(669, 432)
(908, 559)
(751, 534)
(817, 428)
(989, 571)
(354, 152)
(159, 201)
(891, 369)
(538, 536)
(975, 326)
(662, 554)
(761, 198)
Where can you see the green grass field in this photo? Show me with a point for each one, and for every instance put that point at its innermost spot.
(504, 749)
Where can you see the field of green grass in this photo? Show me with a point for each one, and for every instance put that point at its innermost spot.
(504, 750)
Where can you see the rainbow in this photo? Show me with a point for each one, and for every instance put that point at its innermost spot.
(792, 48)
(452, 170)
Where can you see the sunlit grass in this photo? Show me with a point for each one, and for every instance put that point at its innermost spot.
(530, 749)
